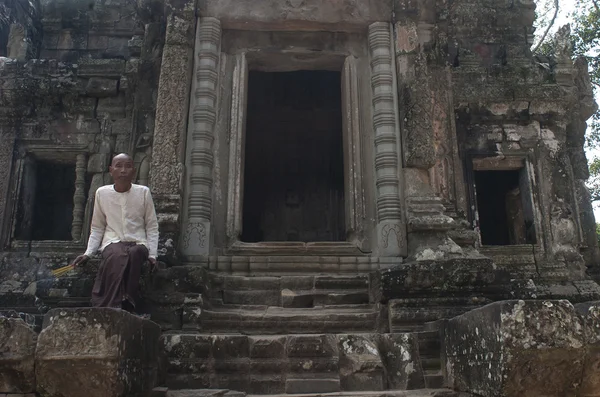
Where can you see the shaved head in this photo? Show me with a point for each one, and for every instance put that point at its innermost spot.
(121, 156)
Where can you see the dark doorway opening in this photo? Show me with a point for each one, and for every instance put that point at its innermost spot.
(294, 165)
(46, 202)
(504, 207)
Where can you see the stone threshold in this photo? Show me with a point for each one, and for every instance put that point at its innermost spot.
(293, 264)
(164, 392)
(295, 248)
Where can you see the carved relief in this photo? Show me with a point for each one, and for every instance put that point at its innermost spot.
(79, 197)
(442, 173)
(387, 230)
(195, 233)
(143, 157)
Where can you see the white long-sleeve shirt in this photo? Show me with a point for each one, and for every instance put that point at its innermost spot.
(126, 217)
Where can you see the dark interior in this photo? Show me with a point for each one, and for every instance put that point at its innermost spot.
(46, 205)
(505, 216)
(294, 174)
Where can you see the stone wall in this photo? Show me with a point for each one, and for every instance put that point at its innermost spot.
(437, 84)
(84, 89)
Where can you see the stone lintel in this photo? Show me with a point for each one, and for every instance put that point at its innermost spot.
(297, 15)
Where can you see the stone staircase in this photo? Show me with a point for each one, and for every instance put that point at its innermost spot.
(297, 334)
(300, 333)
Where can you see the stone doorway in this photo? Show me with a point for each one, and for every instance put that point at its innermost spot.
(503, 199)
(294, 160)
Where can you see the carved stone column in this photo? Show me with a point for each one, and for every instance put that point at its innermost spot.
(166, 169)
(425, 112)
(79, 197)
(197, 232)
(391, 234)
(7, 142)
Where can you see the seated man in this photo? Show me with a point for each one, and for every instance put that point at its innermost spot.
(125, 229)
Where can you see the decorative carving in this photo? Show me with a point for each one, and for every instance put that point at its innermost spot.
(563, 45)
(197, 228)
(79, 197)
(143, 158)
(384, 123)
(204, 114)
(441, 175)
(387, 230)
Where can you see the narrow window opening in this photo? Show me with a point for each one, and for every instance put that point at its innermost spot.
(45, 209)
(4, 30)
(504, 207)
(294, 166)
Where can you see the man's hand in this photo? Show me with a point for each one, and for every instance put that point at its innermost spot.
(81, 259)
(153, 264)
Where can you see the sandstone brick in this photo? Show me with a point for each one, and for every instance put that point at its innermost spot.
(106, 352)
(17, 352)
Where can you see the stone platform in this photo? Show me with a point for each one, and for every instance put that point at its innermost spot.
(164, 392)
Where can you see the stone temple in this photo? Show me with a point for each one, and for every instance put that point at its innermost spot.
(356, 197)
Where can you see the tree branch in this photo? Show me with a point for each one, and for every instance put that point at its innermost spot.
(595, 3)
(550, 24)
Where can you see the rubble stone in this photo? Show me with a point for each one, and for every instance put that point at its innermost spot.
(106, 352)
(515, 348)
(17, 350)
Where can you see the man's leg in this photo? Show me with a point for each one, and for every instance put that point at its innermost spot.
(138, 255)
(108, 288)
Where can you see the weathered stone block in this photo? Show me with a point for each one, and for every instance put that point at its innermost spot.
(17, 352)
(438, 277)
(312, 346)
(267, 346)
(361, 366)
(402, 361)
(100, 87)
(89, 67)
(297, 386)
(346, 14)
(17, 42)
(105, 352)
(112, 108)
(98, 163)
(513, 348)
(292, 299)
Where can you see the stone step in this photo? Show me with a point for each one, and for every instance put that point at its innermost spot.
(293, 363)
(302, 282)
(289, 298)
(431, 363)
(429, 342)
(432, 392)
(289, 291)
(277, 320)
(434, 381)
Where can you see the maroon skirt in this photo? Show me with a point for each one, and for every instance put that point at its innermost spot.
(118, 278)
